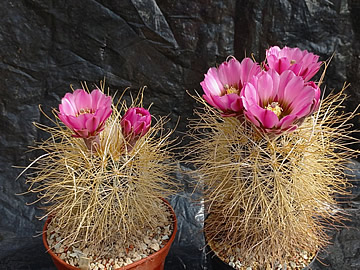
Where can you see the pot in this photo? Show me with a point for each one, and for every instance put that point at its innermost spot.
(218, 264)
(155, 261)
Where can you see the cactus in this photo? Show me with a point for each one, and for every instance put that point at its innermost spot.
(270, 196)
(100, 197)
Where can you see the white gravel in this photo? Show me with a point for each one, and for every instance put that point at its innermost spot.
(85, 260)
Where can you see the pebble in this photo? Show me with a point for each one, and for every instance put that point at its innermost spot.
(143, 256)
(136, 257)
(155, 246)
(56, 247)
(143, 246)
(128, 261)
(167, 229)
(147, 240)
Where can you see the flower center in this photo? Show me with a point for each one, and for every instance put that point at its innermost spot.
(275, 108)
(83, 111)
(231, 89)
(292, 62)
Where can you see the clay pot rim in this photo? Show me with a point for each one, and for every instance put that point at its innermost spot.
(132, 265)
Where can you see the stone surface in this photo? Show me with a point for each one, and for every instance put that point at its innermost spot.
(168, 46)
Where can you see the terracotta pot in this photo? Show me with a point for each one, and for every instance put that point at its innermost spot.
(155, 261)
(218, 264)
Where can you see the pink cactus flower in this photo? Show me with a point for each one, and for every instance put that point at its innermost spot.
(222, 85)
(277, 103)
(85, 114)
(135, 123)
(302, 63)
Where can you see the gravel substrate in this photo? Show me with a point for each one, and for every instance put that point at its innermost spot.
(84, 259)
(297, 262)
(300, 261)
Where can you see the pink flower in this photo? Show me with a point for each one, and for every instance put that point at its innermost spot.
(135, 123)
(222, 86)
(302, 63)
(85, 114)
(277, 103)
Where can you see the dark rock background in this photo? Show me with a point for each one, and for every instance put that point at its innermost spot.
(48, 45)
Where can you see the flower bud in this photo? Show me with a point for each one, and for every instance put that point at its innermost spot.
(135, 123)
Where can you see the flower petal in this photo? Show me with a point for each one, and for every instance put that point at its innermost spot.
(82, 100)
(82, 133)
(64, 119)
(67, 107)
(287, 121)
(103, 113)
(76, 123)
(250, 95)
(92, 124)
(267, 118)
(290, 88)
(265, 88)
(248, 70)
(211, 84)
(229, 72)
(302, 103)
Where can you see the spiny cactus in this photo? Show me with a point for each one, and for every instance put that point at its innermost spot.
(105, 194)
(272, 167)
(268, 197)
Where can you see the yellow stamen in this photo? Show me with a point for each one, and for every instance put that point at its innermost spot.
(292, 62)
(275, 107)
(83, 111)
(231, 89)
